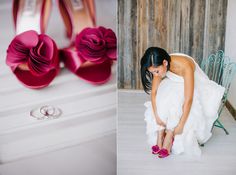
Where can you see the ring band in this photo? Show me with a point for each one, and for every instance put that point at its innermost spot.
(46, 112)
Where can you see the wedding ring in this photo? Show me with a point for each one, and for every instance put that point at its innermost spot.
(46, 112)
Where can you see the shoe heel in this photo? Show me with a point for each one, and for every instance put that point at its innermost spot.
(31, 15)
(77, 15)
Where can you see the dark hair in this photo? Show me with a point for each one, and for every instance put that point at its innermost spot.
(153, 56)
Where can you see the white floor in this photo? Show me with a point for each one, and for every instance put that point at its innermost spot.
(134, 157)
(86, 158)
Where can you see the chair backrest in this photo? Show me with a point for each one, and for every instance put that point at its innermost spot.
(220, 69)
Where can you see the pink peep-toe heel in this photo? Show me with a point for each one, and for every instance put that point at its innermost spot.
(155, 149)
(32, 55)
(93, 50)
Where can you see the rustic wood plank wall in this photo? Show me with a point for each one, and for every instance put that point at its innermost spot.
(194, 27)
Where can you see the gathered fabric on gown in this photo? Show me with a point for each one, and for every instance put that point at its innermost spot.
(169, 101)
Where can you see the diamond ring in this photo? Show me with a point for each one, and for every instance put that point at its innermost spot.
(46, 112)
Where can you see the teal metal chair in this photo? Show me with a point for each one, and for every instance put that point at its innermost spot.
(220, 69)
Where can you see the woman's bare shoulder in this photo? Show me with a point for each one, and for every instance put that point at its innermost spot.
(183, 62)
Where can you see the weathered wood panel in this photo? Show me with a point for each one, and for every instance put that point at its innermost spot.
(194, 27)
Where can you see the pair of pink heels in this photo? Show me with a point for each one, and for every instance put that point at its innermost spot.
(34, 57)
(162, 153)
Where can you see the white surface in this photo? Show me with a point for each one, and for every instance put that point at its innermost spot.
(88, 111)
(96, 157)
(230, 43)
(83, 114)
(134, 154)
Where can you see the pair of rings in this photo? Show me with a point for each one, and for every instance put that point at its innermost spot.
(46, 112)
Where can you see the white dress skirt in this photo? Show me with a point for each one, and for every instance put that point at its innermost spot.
(203, 113)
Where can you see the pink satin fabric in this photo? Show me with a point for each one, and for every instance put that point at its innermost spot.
(38, 53)
(96, 46)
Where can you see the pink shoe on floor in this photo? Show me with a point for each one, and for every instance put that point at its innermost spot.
(155, 149)
(93, 49)
(164, 152)
(32, 57)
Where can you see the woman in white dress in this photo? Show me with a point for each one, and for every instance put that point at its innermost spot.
(184, 102)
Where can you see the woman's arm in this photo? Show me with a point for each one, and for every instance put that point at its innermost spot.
(188, 98)
(155, 84)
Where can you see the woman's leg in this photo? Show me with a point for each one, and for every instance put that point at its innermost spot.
(160, 138)
(167, 144)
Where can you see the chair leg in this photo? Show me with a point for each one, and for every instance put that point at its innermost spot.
(218, 124)
(226, 132)
(213, 126)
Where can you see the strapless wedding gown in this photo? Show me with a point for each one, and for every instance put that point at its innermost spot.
(203, 113)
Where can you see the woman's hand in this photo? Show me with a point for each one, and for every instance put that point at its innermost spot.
(160, 122)
(178, 129)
